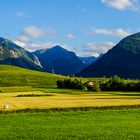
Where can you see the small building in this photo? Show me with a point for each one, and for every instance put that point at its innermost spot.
(90, 85)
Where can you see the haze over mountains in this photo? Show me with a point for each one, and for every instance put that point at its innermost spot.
(122, 60)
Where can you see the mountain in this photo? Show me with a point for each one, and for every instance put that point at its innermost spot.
(89, 60)
(122, 60)
(60, 61)
(12, 54)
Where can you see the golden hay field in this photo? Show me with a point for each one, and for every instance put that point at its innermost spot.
(42, 100)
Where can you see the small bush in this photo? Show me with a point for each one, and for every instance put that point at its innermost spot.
(96, 87)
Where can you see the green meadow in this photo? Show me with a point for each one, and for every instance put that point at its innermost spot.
(72, 125)
(15, 76)
(38, 110)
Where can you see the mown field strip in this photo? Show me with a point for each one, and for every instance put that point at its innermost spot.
(41, 100)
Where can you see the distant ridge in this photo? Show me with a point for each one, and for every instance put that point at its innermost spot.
(122, 60)
(89, 60)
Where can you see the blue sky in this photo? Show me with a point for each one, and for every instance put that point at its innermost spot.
(88, 27)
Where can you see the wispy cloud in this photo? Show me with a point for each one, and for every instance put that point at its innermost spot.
(96, 49)
(70, 36)
(122, 4)
(22, 14)
(26, 37)
(23, 38)
(31, 46)
(34, 32)
(35, 46)
(113, 32)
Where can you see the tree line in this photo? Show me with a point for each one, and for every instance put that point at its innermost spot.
(114, 83)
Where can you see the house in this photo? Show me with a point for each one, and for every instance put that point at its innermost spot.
(90, 85)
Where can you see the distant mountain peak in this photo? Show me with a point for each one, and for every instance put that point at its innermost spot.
(8, 43)
(12, 54)
(58, 48)
(131, 43)
(60, 60)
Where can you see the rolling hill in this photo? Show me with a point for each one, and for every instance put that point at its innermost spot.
(15, 76)
(122, 60)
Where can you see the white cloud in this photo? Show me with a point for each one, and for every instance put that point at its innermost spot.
(70, 36)
(31, 46)
(22, 14)
(96, 49)
(122, 4)
(115, 32)
(23, 38)
(22, 41)
(34, 32)
(35, 46)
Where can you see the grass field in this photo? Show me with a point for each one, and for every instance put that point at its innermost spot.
(15, 76)
(38, 110)
(79, 125)
(60, 98)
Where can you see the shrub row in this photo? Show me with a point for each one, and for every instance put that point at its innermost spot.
(115, 83)
(70, 84)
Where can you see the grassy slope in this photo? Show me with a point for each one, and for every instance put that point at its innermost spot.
(95, 125)
(15, 76)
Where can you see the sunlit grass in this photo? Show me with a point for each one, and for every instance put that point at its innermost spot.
(79, 125)
(46, 99)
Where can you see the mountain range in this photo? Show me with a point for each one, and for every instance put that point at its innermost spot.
(122, 60)
(54, 60)
(61, 61)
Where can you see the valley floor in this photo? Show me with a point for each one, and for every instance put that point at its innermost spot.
(48, 114)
